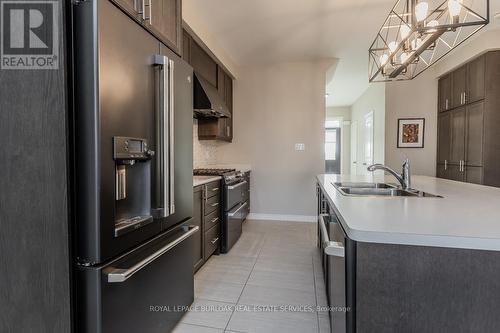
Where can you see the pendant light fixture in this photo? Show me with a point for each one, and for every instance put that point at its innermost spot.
(416, 34)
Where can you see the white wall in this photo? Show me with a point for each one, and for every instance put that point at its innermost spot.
(275, 107)
(418, 98)
(412, 99)
(373, 99)
(343, 112)
(191, 15)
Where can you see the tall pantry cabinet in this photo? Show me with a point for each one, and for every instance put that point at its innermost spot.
(469, 122)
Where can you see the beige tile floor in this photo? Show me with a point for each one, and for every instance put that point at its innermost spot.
(273, 264)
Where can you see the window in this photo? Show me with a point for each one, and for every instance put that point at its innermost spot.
(331, 144)
(332, 124)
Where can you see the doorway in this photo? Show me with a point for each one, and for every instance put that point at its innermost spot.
(368, 143)
(332, 147)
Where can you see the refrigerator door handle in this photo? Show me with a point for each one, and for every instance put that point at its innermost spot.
(118, 275)
(162, 164)
(171, 133)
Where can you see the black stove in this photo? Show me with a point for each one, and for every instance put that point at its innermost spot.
(234, 208)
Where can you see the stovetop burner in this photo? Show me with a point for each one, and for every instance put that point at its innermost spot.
(212, 172)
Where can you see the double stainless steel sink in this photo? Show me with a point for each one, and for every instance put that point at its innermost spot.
(379, 189)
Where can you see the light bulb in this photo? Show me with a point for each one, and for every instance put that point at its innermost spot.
(404, 31)
(433, 24)
(404, 56)
(454, 6)
(393, 46)
(421, 10)
(416, 43)
(383, 59)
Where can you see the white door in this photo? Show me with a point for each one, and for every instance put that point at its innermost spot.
(354, 148)
(367, 143)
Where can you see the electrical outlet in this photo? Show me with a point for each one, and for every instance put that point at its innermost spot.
(300, 147)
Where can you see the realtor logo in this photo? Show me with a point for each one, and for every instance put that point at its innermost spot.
(29, 34)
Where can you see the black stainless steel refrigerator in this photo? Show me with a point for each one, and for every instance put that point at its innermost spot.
(132, 130)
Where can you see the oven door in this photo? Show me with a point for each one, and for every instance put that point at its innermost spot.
(234, 194)
(146, 290)
(232, 227)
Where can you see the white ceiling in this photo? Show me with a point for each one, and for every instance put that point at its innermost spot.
(272, 31)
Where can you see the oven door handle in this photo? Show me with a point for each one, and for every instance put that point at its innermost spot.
(118, 275)
(335, 249)
(236, 212)
(232, 187)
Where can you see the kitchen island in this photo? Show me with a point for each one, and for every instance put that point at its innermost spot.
(412, 264)
(467, 216)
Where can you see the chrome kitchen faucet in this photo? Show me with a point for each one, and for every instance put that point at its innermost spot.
(404, 178)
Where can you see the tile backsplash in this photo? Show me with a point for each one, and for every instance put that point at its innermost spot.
(205, 151)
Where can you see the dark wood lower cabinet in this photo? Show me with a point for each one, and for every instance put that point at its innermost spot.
(474, 175)
(450, 171)
(207, 216)
(197, 220)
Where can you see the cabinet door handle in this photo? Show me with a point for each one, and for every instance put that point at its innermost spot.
(465, 97)
(215, 189)
(213, 241)
(214, 220)
(150, 18)
(214, 204)
(446, 104)
(445, 165)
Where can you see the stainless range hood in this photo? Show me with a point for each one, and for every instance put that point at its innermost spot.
(207, 101)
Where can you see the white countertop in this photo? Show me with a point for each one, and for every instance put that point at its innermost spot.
(239, 167)
(201, 180)
(468, 215)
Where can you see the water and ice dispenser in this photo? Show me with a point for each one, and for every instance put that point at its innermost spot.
(132, 184)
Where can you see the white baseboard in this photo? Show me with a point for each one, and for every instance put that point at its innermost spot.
(279, 217)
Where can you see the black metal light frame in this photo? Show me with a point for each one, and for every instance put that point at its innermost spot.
(453, 28)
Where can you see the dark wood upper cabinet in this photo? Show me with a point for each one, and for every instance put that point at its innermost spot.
(474, 136)
(219, 128)
(186, 47)
(444, 93)
(131, 6)
(166, 21)
(459, 86)
(221, 82)
(163, 18)
(203, 64)
(475, 80)
(229, 103)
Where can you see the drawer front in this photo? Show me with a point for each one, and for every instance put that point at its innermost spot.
(211, 219)
(212, 189)
(107, 306)
(212, 204)
(211, 241)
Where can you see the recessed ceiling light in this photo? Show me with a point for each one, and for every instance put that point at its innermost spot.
(327, 94)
